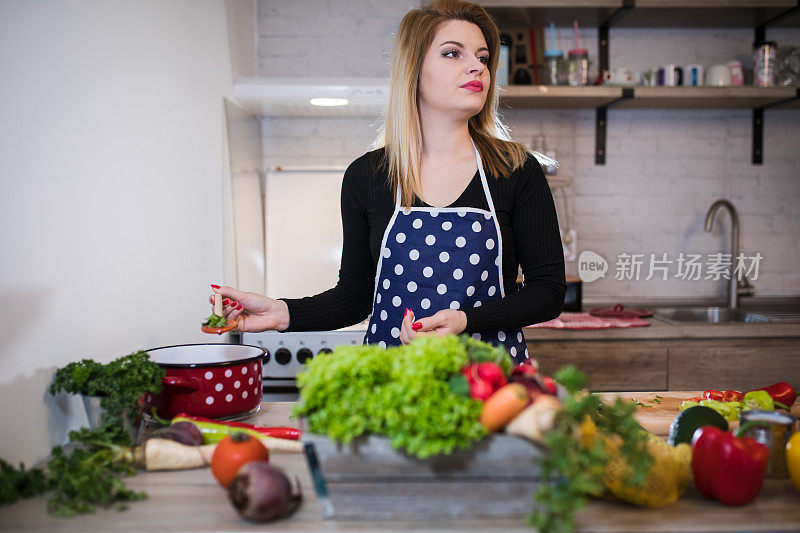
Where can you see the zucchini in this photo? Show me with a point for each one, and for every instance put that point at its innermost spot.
(686, 423)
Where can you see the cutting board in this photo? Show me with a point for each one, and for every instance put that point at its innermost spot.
(656, 417)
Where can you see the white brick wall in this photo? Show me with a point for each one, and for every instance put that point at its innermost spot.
(664, 167)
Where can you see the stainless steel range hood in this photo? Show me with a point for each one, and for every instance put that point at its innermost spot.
(291, 97)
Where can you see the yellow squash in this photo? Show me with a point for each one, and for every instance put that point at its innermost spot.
(793, 459)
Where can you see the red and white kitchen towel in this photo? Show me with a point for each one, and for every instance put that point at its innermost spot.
(587, 321)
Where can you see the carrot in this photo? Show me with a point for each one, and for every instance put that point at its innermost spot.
(502, 406)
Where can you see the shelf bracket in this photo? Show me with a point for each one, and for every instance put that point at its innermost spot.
(602, 33)
(758, 127)
(761, 29)
(601, 119)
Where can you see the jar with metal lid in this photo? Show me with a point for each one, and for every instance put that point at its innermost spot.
(774, 434)
(578, 67)
(764, 57)
(553, 67)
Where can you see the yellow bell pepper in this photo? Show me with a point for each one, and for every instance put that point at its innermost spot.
(793, 459)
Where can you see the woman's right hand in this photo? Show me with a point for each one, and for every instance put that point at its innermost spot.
(254, 312)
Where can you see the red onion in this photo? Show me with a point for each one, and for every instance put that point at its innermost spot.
(261, 492)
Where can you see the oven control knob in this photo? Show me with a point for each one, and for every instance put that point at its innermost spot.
(303, 355)
(325, 350)
(283, 356)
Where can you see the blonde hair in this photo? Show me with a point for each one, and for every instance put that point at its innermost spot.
(401, 132)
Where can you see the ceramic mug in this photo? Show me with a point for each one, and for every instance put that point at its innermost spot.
(619, 76)
(718, 75)
(694, 75)
(673, 76)
(737, 74)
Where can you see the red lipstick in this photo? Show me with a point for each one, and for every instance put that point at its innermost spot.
(473, 85)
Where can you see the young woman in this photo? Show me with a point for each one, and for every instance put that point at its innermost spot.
(438, 219)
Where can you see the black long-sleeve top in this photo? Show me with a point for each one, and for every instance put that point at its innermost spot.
(528, 225)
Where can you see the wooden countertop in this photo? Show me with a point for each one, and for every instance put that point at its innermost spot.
(658, 330)
(192, 501)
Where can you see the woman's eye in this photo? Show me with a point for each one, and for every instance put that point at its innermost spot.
(483, 59)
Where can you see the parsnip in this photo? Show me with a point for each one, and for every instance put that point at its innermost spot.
(217, 304)
(165, 454)
(274, 444)
(536, 420)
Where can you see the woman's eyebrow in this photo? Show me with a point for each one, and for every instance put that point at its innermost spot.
(461, 45)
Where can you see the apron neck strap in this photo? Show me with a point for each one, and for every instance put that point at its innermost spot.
(484, 183)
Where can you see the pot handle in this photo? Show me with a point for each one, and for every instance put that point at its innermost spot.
(179, 382)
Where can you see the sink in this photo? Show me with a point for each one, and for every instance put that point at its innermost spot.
(708, 315)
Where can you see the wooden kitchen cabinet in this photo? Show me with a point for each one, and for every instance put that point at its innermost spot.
(674, 364)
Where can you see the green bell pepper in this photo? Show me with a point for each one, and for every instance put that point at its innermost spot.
(730, 410)
(760, 400)
(687, 404)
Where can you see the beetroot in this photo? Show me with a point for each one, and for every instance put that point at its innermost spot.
(183, 432)
(261, 492)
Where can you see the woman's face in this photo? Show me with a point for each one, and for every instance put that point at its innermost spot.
(458, 55)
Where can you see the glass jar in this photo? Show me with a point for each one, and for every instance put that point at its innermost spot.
(553, 67)
(764, 56)
(578, 67)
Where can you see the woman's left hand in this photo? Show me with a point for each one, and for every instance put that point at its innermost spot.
(445, 322)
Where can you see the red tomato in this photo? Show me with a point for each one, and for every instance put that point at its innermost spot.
(232, 452)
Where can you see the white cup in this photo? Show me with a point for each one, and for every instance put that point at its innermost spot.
(718, 76)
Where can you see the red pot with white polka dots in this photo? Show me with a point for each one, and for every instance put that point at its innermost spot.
(210, 380)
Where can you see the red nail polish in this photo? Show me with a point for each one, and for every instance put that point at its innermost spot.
(225, 301)
(407, 311)
(415, 326)
(240, 307)
(215, 286)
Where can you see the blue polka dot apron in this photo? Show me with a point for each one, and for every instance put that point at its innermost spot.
(436, 258)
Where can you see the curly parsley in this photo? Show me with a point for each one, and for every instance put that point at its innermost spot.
(572, 472)
(89, 476)
(215, 321)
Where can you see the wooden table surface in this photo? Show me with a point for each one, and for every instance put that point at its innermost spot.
(192, 501)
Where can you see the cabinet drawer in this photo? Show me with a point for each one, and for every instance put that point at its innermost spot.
(741, 364)
(608, 365)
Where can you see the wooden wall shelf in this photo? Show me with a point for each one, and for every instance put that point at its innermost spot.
(544, 96)
(643, 13)
(591, 97)
(605, 14)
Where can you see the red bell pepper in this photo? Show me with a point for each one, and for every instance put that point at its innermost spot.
(727, 467)
(525, 368)
(782, 393)
(713, 395)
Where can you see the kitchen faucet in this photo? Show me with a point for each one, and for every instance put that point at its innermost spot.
(733, 286)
